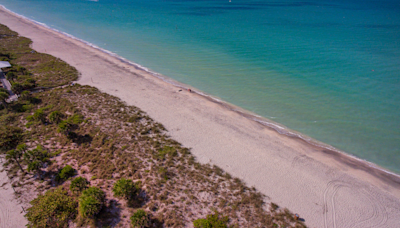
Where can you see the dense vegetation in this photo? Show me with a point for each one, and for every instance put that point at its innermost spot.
(53, 209)
(98, 162)
(31, 69)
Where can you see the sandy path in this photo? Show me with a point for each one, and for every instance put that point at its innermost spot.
(10, 210)
(327, 190)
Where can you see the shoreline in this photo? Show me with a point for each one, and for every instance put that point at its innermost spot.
(279, 128)
(340, 162)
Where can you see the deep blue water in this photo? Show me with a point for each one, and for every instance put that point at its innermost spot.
(327, 69)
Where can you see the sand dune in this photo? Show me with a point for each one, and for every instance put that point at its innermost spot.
(327, 189)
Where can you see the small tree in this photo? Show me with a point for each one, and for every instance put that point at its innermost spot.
(10, 137)
(36, 158)
(15, 155)
(35, 166)
(22, 147)
(140, 219)
(53, 209)
(37, 154)
(212, 221)
(91, 201)
(31, 82)
(55, 117)
(125, 188)
(79, 184)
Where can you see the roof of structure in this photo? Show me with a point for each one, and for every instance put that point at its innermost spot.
(4, 64)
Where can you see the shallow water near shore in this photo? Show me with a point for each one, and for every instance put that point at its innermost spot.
(328, 69)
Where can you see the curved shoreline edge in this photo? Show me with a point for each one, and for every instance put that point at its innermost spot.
(341, 156)
(324, 187)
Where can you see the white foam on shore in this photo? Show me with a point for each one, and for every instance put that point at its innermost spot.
(259, 119)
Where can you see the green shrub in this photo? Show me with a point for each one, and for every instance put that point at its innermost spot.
(64, 127)
(3, 97)
(3, 90)
(11, 76)
(202, 223)
(30, 118)
(79, 184)
(65, 173)
(39, 115)
(17, 88)
(167, 150)
(26, 95)
(75, 119)
(37, 154)
(55, 153)
(8, 119)
(53, 209)
(125, 188)
(26, 107)
(140, 219)
(55, 117)
(212, 221)
(91, 201)
(35, 166)
(134, 118)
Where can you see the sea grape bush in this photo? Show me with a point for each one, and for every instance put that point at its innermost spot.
(65, 173)
(79, 184)
(53, 209)
(91, 201)
(125, 188)
(212, 221)
(140, 219)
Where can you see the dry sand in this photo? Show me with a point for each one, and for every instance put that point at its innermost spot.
(11, 213)
(327, 189)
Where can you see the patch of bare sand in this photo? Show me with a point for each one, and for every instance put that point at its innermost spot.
(11, 213)
(326, 189)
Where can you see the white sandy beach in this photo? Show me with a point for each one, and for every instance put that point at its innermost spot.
(325, 188)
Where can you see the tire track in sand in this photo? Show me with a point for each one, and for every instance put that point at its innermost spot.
(378, 217)
(5, 220)
(10, 210)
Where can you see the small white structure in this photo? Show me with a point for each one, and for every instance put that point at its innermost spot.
(5, 82)
(4, 64)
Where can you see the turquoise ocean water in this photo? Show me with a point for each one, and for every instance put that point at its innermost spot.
(327, 69)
